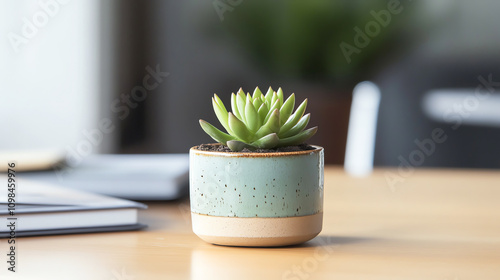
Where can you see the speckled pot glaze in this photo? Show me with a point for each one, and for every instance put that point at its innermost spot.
(256, 199)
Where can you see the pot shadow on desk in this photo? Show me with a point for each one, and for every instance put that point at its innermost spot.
(331, 240)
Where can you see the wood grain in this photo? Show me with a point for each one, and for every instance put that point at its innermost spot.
(436, 224)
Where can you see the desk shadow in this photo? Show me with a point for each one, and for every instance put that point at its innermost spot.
(318, 241)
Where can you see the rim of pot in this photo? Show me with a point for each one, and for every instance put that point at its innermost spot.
(317, 149)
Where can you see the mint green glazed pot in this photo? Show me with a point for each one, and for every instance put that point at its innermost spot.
(256, 199)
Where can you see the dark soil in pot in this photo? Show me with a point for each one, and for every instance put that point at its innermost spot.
(222, 148)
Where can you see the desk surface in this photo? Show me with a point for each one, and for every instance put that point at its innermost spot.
(434, 224)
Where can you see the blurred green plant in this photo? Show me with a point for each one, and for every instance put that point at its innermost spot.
(301, 39)
(260, 121)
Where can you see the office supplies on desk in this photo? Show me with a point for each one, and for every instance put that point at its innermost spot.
(136, 177)
(44, 209)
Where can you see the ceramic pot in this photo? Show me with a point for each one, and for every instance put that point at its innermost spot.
(256, 199)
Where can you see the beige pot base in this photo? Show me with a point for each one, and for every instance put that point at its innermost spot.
(257, 232)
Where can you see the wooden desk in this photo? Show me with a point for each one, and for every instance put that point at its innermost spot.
(437, 224)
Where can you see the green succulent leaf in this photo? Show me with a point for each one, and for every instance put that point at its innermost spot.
(237, 146)
(269, 96)
(287, 108)
(299, 127)
(215, 133)
(280, 96)
(257, 94)
(263, 110)
(234, 106)
(256, 103)
(299, 138)
(219, 102)
(240, 102)
(294, 119)
(275, 97)
(241, 93)
(275, 106)
(263, 98)
(252, 117)
(221, 113)
(271, 126)
(239, 128)
(267, 142)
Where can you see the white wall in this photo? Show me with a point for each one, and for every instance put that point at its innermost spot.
(50, 87)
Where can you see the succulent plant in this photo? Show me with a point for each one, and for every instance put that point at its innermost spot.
(260, 121)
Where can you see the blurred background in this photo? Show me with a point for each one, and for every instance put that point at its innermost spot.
(134, 76)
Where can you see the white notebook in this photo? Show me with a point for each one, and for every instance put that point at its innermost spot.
(42, 209)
